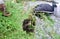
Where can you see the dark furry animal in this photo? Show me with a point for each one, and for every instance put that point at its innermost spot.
(26, 25)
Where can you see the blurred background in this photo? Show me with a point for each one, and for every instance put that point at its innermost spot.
(47, 26)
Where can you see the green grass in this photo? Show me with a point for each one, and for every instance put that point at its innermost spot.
(11, 27)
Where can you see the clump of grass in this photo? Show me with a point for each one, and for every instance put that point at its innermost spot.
(47, 19)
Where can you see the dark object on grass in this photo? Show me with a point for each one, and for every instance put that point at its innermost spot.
(3, 9)
(28, 26)
(44, 8)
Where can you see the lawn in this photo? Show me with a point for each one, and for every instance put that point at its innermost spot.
(11, 27)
